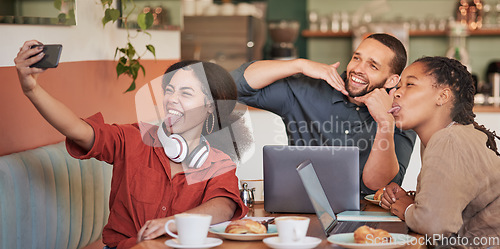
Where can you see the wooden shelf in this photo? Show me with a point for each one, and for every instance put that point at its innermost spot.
(309, 33)
(485, 32)
(415, 33)
(486, 108)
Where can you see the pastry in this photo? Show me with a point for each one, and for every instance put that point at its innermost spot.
(368, 235)
(378, 195)
(245, 226)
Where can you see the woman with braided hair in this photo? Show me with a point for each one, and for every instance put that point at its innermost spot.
(458, 188)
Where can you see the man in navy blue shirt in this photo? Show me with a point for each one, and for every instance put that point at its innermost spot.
(321, 107)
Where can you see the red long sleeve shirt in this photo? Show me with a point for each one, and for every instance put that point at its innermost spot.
(142, 187)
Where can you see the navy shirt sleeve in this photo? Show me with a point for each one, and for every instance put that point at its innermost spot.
(276, 97)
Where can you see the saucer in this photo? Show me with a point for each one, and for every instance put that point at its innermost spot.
(307, 243)
(371, 200)
(209, 242)
(220, 230)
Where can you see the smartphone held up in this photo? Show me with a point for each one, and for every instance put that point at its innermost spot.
(51, 58)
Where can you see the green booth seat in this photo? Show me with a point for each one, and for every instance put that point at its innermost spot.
(49, 199)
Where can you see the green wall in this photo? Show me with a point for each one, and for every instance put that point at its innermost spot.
(482, 49)
(289, 10)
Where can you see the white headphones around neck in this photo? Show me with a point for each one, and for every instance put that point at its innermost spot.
(176, 148)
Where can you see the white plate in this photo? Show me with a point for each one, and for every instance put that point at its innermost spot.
(209, 243)
(309, 242)
(347, 240)
(219, 230)
(370, 199)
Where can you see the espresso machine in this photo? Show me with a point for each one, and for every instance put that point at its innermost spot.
(283, 34)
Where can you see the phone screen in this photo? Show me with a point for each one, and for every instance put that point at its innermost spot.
(51, 58)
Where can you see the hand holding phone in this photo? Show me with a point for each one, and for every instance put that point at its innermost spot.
(51, 57)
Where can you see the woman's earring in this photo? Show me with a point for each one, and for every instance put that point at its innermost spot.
(213, 122)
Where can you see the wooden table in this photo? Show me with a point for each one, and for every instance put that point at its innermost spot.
(315, 230)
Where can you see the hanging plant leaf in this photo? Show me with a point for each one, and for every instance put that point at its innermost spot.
(58, 4)
(145, 20)
(131, 87)
(134, 68)
(106, 18)
(110, 14)
(121, 66)
(143, 70)
(128, 63)
(61, 18)
(130, 52)
(115, 14)
(116, 52)
(106, 2)
(135, 65)
(151, 49)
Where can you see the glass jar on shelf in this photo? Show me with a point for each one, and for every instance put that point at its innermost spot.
(457, 48)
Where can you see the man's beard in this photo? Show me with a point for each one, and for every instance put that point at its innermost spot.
(363, 91)
(352, 94)
(358, 94)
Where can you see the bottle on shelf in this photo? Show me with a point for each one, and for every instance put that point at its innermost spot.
(489, 16)
(458, 39)
(497, 14)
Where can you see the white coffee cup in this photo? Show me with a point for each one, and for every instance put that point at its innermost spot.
(192, 229)
(245, 9)
(189, 7)
(292, 229)
(227, 9)
(211, 10)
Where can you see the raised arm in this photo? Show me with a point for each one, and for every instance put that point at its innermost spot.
(262, 73)
(55, 112)
(382, 164)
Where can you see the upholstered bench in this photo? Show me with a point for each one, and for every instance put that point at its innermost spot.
(50, 200)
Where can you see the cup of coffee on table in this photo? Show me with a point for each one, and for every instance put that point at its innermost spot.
(292, 229)
(192, 229)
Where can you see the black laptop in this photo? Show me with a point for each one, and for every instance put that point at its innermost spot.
(328, 219)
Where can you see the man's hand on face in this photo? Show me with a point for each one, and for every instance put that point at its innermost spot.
(325, 72)
(378, 103)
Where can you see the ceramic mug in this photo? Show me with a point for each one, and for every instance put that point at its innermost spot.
(292, 229)
(192, 229)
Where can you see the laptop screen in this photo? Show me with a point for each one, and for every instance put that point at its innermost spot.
(337, 168)
(317, 195)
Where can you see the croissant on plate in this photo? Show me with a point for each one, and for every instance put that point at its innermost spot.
(378, 195)
(245, 226)
(368, 235)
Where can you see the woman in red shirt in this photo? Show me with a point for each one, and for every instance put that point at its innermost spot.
(157, 172)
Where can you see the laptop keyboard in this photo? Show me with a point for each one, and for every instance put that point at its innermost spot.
(351, 226)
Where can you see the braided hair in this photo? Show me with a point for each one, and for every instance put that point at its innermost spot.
(451, 73)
